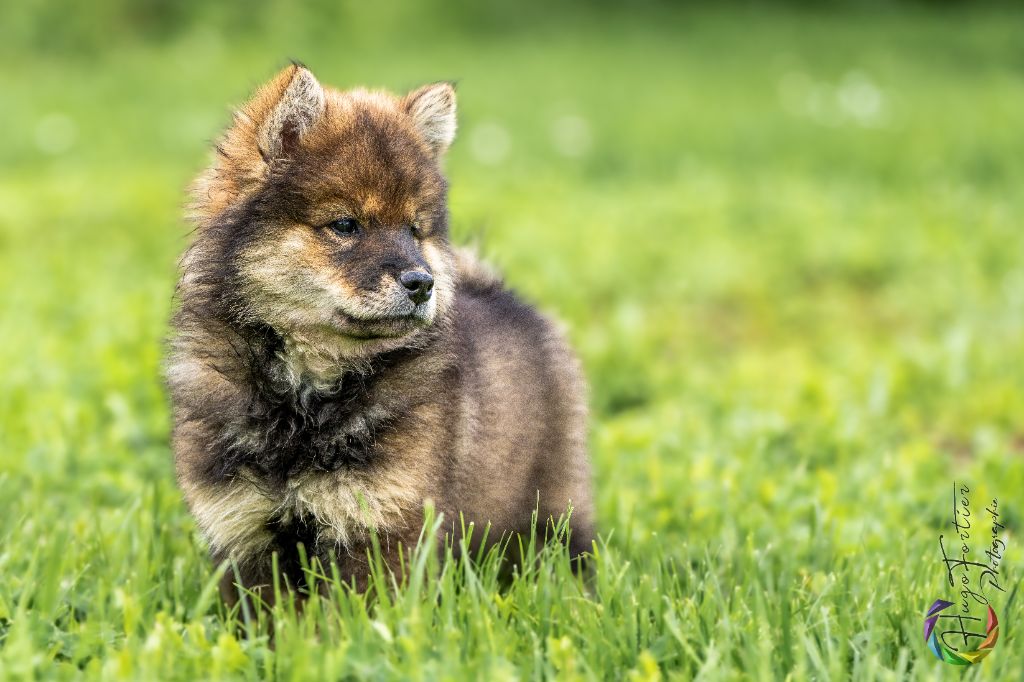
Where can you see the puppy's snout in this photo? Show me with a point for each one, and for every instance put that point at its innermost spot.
(418, 284)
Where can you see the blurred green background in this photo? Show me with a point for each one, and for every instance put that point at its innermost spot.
(786, 240)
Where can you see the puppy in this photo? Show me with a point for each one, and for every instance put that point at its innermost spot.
(335, 364)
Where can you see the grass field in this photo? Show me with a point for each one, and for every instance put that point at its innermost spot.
(787, 244)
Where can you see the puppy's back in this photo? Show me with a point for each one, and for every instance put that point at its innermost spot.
(524, 425)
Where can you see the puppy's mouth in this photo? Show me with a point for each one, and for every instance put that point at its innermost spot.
(380, 327)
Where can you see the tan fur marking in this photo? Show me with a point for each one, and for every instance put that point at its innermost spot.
(233, 517)
(294, 282)
(372, 204)
(444, 280)
(345, 505)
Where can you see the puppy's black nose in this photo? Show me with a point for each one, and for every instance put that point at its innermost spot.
(419, 284)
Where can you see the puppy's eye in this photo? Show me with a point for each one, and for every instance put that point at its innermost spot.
(416, 230)
(344, 226)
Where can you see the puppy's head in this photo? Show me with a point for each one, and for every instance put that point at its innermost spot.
(328, 213)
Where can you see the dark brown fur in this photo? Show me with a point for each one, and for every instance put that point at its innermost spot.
(312, 402)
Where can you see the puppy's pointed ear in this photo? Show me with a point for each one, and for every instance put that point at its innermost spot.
(285, 109)
(432, 109)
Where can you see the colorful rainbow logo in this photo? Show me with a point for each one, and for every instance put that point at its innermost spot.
(943, 652)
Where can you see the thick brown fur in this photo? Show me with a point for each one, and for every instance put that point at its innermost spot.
(314, 399)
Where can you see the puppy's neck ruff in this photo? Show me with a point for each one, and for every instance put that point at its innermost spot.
(318, 360)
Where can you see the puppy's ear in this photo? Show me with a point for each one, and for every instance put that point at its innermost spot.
(268, 127)
(284, 110)
(432, 109)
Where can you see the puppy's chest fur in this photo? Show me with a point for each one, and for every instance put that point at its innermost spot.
(303, 464)
(292, 426)
(326, 511)
(282, 437)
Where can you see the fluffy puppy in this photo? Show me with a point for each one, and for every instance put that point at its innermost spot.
(335, 363)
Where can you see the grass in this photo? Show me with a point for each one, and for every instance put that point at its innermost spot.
(787, 245)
